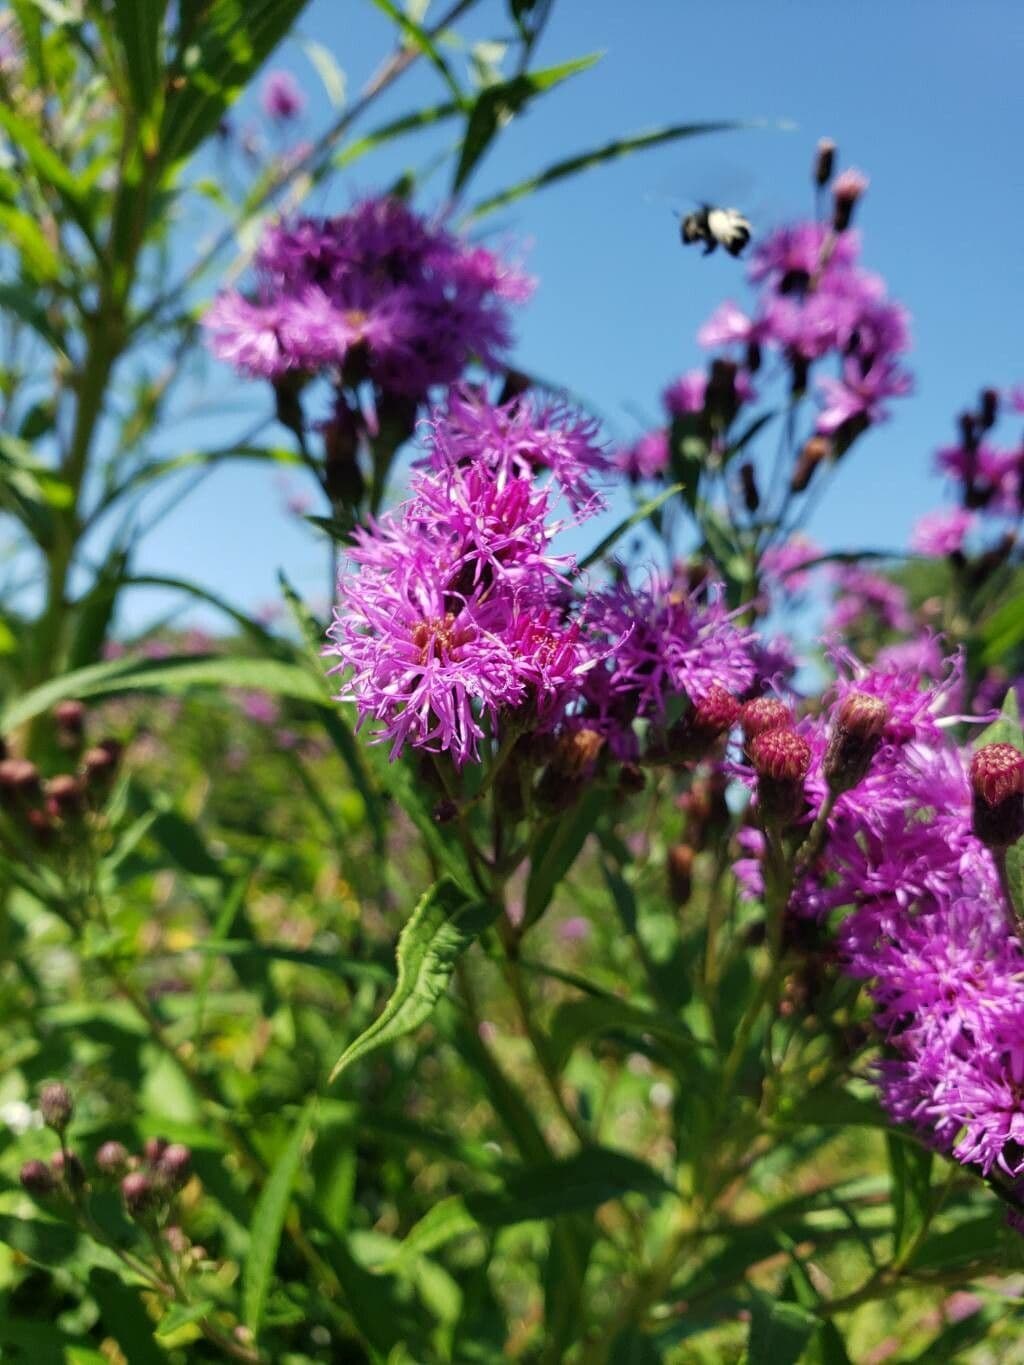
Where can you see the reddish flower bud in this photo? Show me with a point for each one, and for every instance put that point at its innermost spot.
(19, 782)
(153, 1149)
(37, 1179)
(856, 735)
(781, 759)
(65, 796)
(680, 872)
(571, 767)
(748, 482)
(112, 1159)
(763, 714)
(138, 1194)
(99, 764)
(69, 718)
(824, 161)
(41, 827)
(175, 1166)
(997, 782)
(848, 188)
(56, 1105)
(67, 1168)
(816, 450)
(706, 721)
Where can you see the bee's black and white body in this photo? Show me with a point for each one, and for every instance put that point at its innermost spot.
(716, 227)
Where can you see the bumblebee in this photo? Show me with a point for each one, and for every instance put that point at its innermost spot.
(716, 227)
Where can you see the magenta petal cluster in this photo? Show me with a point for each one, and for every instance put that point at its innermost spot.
(454, 613)
(925, 924)
(379, 293)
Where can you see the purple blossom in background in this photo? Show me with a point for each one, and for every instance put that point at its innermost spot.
(686, 394)
(646, 458)
(281, 97)
(783, 565)
(378, 294)
(862, 595)
(942, 533)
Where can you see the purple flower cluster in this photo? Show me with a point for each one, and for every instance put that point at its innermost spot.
(455, 612)
(925, 921)
(815, 300)
(378, 294)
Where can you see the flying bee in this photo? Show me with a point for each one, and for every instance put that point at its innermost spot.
(716, 227)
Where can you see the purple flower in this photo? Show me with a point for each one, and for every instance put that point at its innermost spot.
(281, 97)
(861, 394)
(378, 293)
(646, 458)
(686, 394)
(943, 532)
(671, 643)
(453, 612)
(863, 595)
(783, 565)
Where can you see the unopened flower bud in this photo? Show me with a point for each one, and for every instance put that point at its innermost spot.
(815, 451)
(40, 827)
(997, 784)
(287, 390)
(680, 872)
(153, 1149)
(69, 719)
(112, 1159)
(721, 401)
(65, 796)
(753, 357)
(56, 1105)
(343, 479)
(67, 1167)
(631, 779)
(571, 767)
(515, 385)
(710, 717)
(847, 189)
(138, 1194)
(19, 782)
(781, 759)
(99, 764)
(764, 713)
(176, 1240)
(748, 482)
(175, 1166)
(445, 811)
(824, 161)
(707, 812)
(396, 417)
(37, 1179)
(856, 735)
(989, 408)
(799, 372)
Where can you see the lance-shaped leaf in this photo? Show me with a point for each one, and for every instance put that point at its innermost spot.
(498, 103)
(442, 927)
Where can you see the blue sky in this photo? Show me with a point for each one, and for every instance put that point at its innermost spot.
(924, 96)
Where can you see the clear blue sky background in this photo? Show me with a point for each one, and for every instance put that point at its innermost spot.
(924, 96)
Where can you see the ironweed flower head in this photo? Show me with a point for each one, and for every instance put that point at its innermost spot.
(378, 293)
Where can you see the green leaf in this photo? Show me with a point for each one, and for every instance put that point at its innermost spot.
(498, 103)
(556, 850)
(226, 45)
(911, 1170)
(181, 1315)
(167, 675)
(138, 24)
(1015, 877)
(1007, 729)
(387, 132)
(23, 302)
(778, 1331)
(575, 1020)
(548, 1190)
(51, 168)
(418, 37)
(441, 928)
(268, 1221)
(642, 514)
(331, 75)
(609, 151)
(982, 1238)
(1002, 632)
